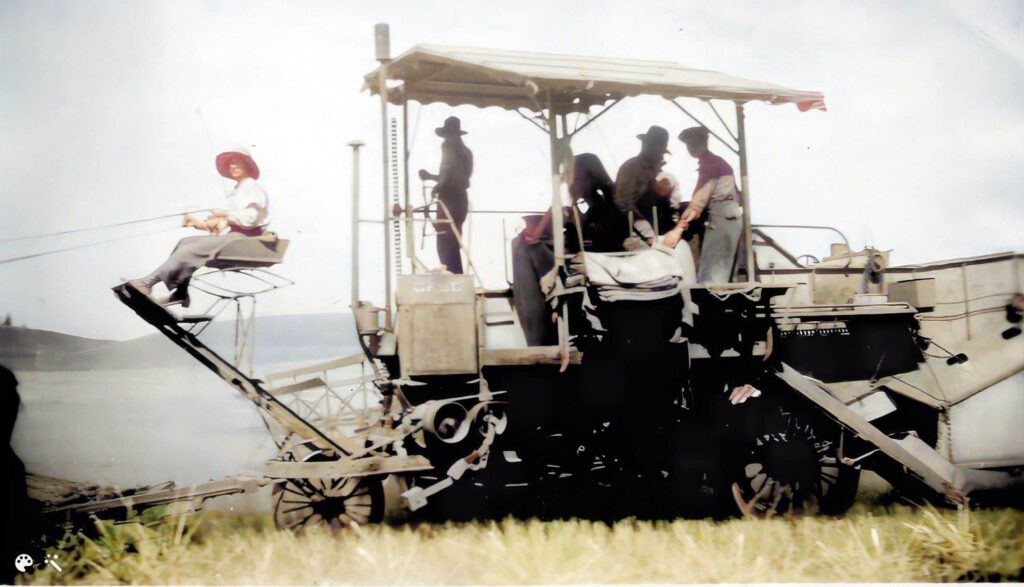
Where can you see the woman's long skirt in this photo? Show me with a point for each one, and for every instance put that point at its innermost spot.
(190, 254)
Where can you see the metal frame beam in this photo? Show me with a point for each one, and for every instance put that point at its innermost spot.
(711, 132)
(748, 240)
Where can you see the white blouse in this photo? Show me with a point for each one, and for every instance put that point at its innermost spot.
(248, 204)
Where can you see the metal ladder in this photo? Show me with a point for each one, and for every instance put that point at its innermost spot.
(253, 389)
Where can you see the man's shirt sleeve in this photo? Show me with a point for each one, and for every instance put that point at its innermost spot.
(628, 188)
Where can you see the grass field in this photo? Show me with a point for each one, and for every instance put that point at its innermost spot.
(872, 543)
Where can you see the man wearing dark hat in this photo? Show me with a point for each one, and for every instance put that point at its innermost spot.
(452, 183)
(716, 198)
(635, 182)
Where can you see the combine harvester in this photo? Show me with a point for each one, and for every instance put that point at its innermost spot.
(911, 372)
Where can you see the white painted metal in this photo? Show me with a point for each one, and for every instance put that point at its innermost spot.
(986, 428)
(516, 79)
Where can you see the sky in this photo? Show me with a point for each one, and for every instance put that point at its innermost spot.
(114, 111)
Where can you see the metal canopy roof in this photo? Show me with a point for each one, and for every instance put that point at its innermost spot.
(521, 79)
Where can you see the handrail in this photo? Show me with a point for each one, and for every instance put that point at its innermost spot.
(846, 241)
(806, 226)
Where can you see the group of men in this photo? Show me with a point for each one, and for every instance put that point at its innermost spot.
(710, 222)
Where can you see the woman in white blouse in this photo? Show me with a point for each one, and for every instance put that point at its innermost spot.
(245, 215)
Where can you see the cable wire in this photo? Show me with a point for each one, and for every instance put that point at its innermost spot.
(116, 224)
(87, 245)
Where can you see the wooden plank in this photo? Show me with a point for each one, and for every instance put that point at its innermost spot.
(535, 355)
(297, 387)
(347, 467)
(318, 368)
(192, 492)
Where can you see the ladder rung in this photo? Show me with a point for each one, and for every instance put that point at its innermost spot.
(196, 319)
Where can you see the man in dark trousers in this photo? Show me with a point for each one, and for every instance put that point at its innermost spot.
(452, 183)
(635, 182)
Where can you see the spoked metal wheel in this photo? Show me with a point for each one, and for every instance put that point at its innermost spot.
(836, 489)
(778, 476)
(338, 503)
(839, 482)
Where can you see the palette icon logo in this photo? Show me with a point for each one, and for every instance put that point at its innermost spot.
(22, 562)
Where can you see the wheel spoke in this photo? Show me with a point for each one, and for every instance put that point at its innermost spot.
(300, 488)
(301, 522)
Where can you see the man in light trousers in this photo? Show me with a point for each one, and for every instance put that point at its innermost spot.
(716, 194)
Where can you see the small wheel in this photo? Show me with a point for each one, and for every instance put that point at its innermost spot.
(304, 503)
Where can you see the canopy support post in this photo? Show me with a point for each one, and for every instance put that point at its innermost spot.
(748, 241)
(557, 225)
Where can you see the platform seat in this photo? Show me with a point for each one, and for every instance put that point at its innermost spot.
(265, 250)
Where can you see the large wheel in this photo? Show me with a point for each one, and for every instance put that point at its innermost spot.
(837, 485)
(338, 503)
(794, 470)
(777, 476)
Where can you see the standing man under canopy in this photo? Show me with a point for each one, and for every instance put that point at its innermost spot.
(451, 189)
(635, 181)
(715, 193)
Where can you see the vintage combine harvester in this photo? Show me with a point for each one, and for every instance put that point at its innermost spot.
(912, 372)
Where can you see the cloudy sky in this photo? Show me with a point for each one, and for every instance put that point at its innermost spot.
(113, 111)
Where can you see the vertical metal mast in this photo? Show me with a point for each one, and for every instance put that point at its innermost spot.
(382, 46)
(410, 229)
(748, 242)
(356, 144)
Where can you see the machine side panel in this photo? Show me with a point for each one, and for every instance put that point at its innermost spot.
(985, 428)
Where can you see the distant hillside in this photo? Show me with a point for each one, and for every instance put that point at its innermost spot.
(278, 339)
(18, 342)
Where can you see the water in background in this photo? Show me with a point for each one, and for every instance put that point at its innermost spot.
(131, 427)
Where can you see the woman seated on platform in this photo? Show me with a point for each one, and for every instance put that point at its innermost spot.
(602, 225)
(245, 214)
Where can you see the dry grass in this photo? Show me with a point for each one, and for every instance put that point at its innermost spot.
(869, 545)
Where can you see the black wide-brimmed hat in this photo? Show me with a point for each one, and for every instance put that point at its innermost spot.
(452, 127)
(656, 136)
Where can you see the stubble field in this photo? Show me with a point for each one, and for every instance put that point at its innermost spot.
(873, 543)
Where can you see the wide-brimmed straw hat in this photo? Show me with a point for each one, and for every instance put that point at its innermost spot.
(242, 154)
(452, 127)
(657, 136)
